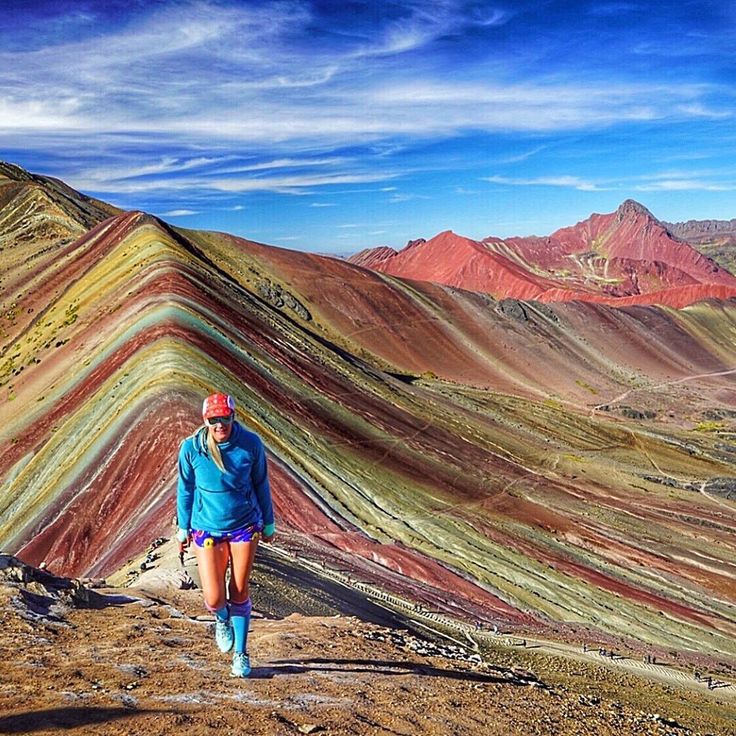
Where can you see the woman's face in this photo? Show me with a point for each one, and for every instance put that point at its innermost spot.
(220, 428)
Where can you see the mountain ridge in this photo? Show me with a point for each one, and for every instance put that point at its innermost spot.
(625, 257)
(699, 230)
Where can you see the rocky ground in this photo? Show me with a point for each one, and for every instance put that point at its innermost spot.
(141, 660)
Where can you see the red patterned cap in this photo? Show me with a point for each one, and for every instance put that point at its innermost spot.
(218, 405)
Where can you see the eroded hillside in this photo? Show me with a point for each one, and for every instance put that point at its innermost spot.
(561, 467)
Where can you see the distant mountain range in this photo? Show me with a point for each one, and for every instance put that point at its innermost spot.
(706, 232)
(715, 239)
(562, 467)
(625, 257)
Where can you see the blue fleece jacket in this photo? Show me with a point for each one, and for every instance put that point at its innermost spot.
(218, 502)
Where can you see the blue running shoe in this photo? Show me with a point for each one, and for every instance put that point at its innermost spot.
(224, 635)
(241, 665)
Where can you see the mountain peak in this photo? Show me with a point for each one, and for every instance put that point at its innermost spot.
(13, 172)
(630, 207)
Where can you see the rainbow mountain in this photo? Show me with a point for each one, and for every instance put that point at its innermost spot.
(564, 468)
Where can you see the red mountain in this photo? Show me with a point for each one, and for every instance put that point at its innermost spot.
(625, 257)
(457, 261)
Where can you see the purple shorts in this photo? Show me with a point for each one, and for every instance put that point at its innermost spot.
(246, 534)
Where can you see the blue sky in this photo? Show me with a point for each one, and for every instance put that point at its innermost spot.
(332, 127)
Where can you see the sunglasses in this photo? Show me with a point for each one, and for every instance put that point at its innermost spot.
(220, 420)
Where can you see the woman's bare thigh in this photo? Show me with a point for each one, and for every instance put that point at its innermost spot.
(242, 555)
(212, 565)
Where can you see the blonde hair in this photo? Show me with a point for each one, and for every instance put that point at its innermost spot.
(213, 449)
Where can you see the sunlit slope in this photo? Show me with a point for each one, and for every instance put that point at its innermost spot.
(39, 218)
(584, 354)
(450, 441)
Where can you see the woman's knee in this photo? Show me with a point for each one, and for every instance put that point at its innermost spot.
(213, 589)
(239, 593)
(214, 602)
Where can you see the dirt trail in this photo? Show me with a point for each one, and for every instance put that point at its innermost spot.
(149, 666)
(646, 669)
(467, 635)
(665, 384)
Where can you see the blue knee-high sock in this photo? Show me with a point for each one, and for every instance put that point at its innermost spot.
(240, 617)
(222, 614)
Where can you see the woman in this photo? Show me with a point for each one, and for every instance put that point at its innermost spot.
(224, 507)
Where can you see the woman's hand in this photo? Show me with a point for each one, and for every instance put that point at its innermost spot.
(268, 533)
(183, 537)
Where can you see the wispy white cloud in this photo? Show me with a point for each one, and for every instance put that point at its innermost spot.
(651, 182)
(406, 197)
(288, 184)
(207, 73)
(613, 8)
(543, 106)
(572, 182)
(520, 157)
(29, 116)
(179, 213)
(165, 165)
(423, 22)
(285, 163)
(699, 110)
(702, 179)
(684, 185)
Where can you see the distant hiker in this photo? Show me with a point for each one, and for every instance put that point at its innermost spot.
(224, 506)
